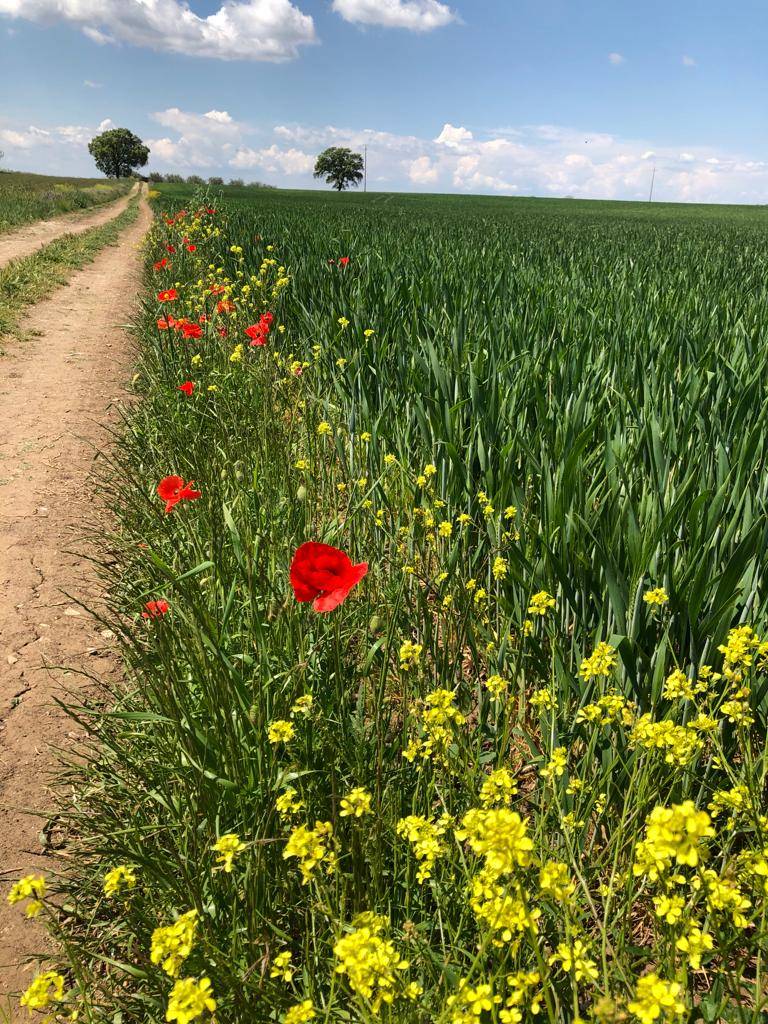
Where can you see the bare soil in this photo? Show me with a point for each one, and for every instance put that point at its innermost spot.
(58, 393)
(28, 239)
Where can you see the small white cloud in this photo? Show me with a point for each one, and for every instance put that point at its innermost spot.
(649, 154)
(453, 137)
(270, 30)
(616, 59)
(97, 36)
(686, 158)
(688, 62)
(91, 85)
(416, 15)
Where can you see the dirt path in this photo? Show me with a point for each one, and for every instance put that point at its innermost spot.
(31, 237)
(56, 392)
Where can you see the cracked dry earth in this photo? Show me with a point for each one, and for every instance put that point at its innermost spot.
(58, 392)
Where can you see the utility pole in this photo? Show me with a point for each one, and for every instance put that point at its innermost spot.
(653, 178)
(365, 168)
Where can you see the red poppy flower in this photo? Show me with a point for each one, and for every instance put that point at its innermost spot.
(223, 332)
(168, 295)
(187, 387)
(155, 609)
(217, 289)
(172, 490)
(225, 306)
(170, 248)
(160, 264)
(324, 575)
(192, 330)
(258, 333)
(191, 248)
(210, 210)
(162, 324)
(343, 261)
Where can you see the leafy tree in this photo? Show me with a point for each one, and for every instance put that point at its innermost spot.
(340, 167)
(195, 179)
(117, 152)
(216, 181)
(174, 179)
(236, 183)
(156, 176)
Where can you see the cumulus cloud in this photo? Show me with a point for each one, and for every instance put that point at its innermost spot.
(274, 160)
(688, 62)
(415, 15)
(422, 171)
(271, 30)
(68, 135)
(544, 159)
(616, 58)
(201, 140)
(91, 85)
(453, 137)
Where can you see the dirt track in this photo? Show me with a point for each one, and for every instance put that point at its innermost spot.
(16, 244)
(56, 393)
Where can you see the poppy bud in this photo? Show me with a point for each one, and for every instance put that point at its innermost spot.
(301, 493)
(253, 714)
(375, 624)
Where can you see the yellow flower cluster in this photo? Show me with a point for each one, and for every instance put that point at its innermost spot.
(32, 888)
(673, 836)
(172, 944)
(370, 962)
(189, 998)
(228, 847)
(426, 839)
(312, 847)
(119, 880)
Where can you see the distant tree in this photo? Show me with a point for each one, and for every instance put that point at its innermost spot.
(156, 176)
(216, 181)
(236, 183)
(195, 179)
(340, 167)
(117, 152)
(174, 179)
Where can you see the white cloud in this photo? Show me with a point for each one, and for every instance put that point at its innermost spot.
(274, 160)
(416, 15)
(202, 140)
(74, 135)
(616, 58)
(422, 171)
(270, 30)
(91, 85)
(688, 62)
(453, 137)
(544, 160)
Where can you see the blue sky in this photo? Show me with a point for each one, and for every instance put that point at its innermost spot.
(543, 97)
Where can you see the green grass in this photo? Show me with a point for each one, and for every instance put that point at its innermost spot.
(576, 391)
(26, 281)
(29, 197)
